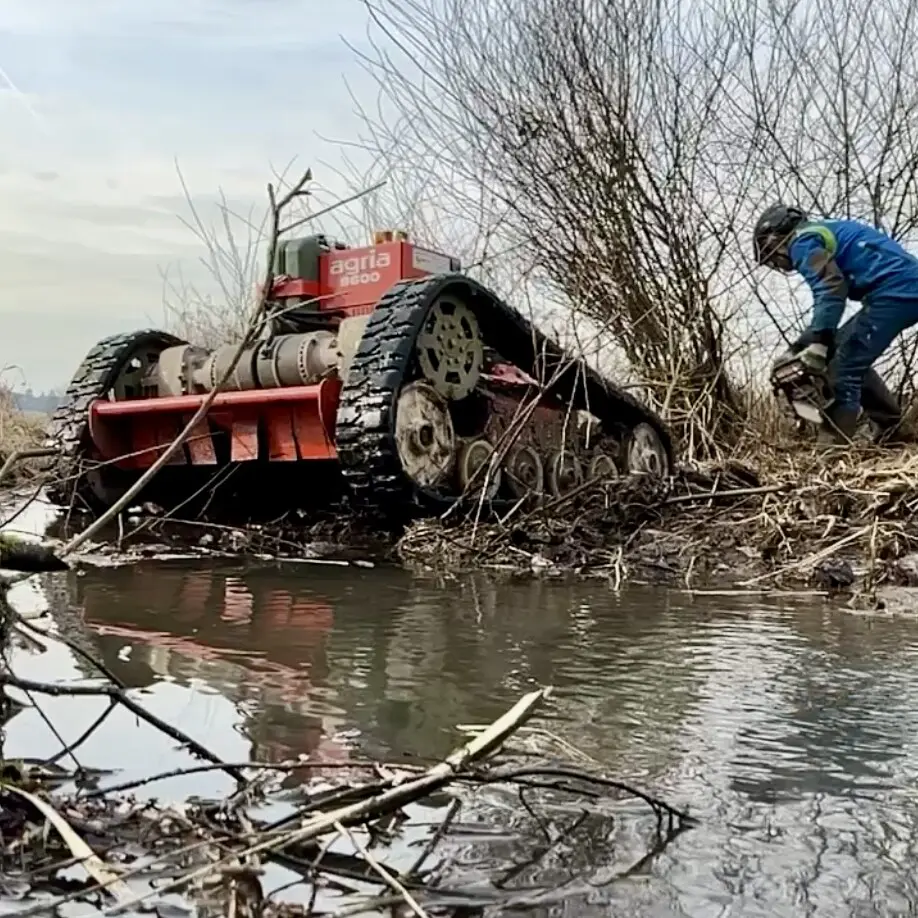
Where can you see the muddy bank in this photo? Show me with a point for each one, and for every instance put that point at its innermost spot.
(839, 521)
(146, 531)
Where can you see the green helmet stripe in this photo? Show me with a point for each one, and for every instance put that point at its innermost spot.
(827, 236)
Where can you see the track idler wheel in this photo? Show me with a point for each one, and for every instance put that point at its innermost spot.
(424, 435)
(525, 473)
(602, 467)
(475, 455)
(645, 452)
(565, 472)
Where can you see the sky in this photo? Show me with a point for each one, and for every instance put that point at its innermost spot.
(107, 107)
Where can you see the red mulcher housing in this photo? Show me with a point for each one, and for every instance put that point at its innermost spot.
(385, 364)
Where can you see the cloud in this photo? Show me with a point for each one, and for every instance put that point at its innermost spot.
(99, 100)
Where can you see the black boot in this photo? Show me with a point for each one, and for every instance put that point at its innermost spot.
(840, 423)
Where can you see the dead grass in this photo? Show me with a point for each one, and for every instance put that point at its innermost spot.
(19, 430)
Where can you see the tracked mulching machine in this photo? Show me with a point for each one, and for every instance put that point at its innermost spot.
(383, 365)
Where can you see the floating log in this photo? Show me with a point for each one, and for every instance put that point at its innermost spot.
(18, 553)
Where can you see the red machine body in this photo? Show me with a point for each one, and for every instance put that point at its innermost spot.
(282, 424)
(352, 281)
(400, 391)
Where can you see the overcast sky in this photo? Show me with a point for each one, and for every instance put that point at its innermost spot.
(98, 101)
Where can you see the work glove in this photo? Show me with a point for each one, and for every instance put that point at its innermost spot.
(814, 358)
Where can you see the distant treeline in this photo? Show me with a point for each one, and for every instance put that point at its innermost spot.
(44, 402)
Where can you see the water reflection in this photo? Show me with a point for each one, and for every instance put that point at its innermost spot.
(787, 728)
(307, 645)
(261, 645)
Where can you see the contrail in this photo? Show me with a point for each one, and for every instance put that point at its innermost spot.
(42, 123)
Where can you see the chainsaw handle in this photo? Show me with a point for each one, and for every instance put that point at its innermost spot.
(810, 337)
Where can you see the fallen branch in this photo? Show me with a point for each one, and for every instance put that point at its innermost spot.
(107, 880)
(728, 493)
(389, 879)
(388, 801)
(28, 555)
(277, 208)
(121, 696)
(215, 851)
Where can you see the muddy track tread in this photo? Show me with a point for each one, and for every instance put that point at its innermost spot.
(69, 426)
(366, 411)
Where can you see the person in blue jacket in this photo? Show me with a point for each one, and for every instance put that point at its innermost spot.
(842, 260)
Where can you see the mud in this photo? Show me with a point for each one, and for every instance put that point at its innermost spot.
(146, 533)
(842, 523)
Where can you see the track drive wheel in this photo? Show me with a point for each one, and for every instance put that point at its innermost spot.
(113, 368)
(449, 348)
(645, 453)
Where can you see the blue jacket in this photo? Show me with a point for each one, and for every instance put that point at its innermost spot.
(867, 263)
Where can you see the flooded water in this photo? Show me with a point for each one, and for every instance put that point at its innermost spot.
(787, 728)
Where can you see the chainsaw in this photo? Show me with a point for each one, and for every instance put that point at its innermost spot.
(809, 395)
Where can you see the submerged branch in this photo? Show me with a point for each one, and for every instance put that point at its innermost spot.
(215, 850)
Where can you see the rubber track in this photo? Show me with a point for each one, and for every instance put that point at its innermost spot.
(366, 412)
(95, 376)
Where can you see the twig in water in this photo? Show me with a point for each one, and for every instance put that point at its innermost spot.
(217, 766)
(387, 877)
(107, 880)
(429, 848)
(111, 691)
(390, 800)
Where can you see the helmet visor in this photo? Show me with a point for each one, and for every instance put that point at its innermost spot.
(771, 250)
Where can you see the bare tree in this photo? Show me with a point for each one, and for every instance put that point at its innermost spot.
(625, 149)
(588, 126)
(833, 96)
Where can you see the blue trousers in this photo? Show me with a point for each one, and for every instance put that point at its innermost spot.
(864, 338)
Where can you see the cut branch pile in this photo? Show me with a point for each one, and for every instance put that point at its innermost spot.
(831, 519)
